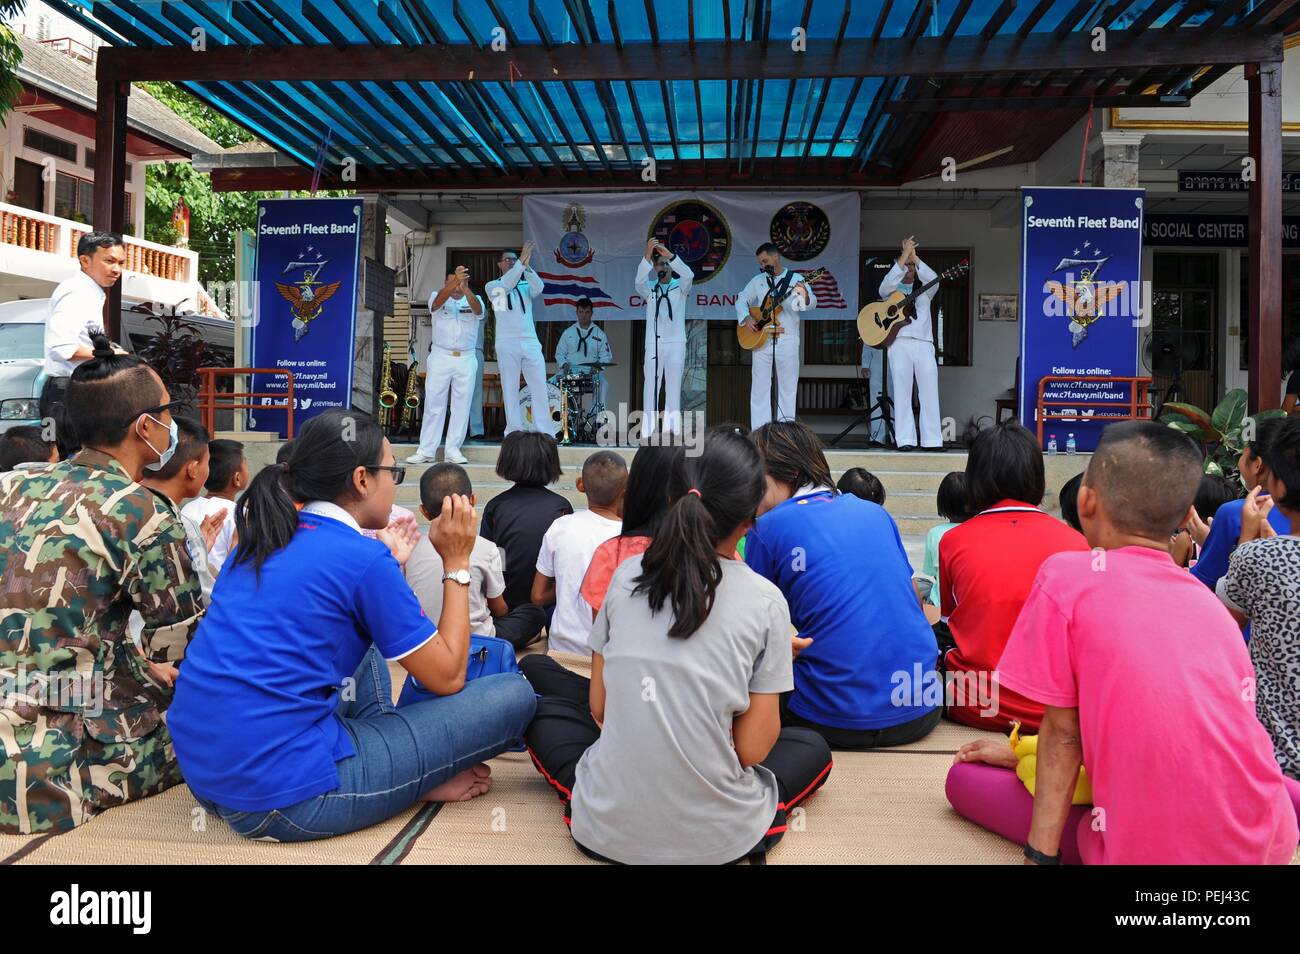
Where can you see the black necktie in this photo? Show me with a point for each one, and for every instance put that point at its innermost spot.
(582, 341)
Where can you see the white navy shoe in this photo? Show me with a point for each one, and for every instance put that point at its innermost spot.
(418, 458)
(455, 457)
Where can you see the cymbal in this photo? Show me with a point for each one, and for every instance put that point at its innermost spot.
(599, 365)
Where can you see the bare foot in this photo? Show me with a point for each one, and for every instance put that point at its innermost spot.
(992, 751)
(471, 783)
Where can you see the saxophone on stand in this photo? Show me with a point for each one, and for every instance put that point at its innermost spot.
(412, 399)
(387, 396)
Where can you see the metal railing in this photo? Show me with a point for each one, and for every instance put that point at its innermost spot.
(208, 396)
(1136, 407)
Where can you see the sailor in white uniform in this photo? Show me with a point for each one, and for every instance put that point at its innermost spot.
(518, 349)
(582, 343)
(665, 334)
(781, 352)
(911, 356)
(449, 373)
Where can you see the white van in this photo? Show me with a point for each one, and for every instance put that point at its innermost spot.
(22, 351)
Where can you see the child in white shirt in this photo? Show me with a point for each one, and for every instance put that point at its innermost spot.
(569, 545)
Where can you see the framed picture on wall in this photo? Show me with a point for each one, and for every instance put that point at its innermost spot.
(998, 307)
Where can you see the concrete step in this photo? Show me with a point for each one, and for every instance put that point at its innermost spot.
(840, 460)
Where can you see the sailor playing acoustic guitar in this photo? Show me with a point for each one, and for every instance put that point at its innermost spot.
(774, 284)
(911, 354)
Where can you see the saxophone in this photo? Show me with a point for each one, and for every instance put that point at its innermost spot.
(387, 396)
(564, 413)
(412, 399)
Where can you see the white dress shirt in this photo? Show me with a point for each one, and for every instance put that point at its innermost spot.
(77, 302)
(455, 325)
(668, 302)
(511, 297)
(570, 350)
(751, 296)
(921, 326)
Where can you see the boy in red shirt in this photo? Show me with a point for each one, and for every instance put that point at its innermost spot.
(986, 567)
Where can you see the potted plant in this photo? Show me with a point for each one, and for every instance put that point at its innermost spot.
(1222, 433)
(177, 352)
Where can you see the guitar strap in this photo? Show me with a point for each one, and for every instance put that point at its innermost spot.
(776, 291)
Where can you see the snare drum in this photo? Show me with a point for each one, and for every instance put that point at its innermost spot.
(554, 398)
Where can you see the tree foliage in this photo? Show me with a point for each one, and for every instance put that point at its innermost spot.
(215, 217)
(10, 56)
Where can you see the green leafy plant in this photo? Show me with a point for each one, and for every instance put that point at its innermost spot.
(1222, 433)
(11, 55)
(177, 352)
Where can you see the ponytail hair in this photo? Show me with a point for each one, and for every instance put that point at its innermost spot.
(324, 455)
(106, 394)
(711, 495)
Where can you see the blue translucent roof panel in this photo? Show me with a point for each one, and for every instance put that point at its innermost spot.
(538, 123)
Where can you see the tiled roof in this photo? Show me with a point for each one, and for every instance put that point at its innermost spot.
(73, 80)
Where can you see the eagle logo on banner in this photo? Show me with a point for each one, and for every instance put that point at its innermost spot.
(307, 296)
(1084, 297)
(575, 250)
(800, 230)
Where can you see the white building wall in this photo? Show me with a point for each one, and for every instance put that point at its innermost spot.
(12, 141)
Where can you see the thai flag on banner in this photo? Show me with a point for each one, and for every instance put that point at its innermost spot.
(827, 290)
(567, 289)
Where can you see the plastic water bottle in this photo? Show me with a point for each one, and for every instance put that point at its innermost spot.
(1070, 445)
(1051, 444)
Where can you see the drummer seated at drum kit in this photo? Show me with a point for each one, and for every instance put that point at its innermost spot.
(583, 344)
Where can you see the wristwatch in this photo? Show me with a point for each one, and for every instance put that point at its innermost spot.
(457, 576)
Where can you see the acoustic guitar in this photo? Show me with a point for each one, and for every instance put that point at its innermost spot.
(880, 322)
(767, 316)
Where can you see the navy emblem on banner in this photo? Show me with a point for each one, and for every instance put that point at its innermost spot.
(574, 249)
(800, 230)
(308, 295)
(1085, 297)
(698, 233)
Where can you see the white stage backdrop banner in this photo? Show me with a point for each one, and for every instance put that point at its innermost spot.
(589, 245)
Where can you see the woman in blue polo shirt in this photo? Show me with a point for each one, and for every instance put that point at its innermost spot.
(283, 719)
(868, 678)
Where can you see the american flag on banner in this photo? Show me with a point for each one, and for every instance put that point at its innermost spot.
(827, 290)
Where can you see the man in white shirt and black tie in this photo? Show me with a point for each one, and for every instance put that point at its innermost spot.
(518, 349)
(781, 352)
(457, 313)
(582, 343)
(76, 305)
(665, 334)
(911, 356)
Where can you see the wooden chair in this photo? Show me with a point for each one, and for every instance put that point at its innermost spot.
(494, 423)
(1010, 400)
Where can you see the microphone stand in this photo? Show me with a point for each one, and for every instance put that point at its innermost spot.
(655, 420)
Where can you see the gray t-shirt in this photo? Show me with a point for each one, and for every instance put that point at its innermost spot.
(487, 581)
(663, 783)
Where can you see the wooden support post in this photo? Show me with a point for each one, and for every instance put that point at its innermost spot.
(110, 182)
(1264, 83)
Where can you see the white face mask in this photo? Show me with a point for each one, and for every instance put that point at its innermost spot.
(165, 455)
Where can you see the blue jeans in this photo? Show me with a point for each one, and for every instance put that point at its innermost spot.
(401, 753)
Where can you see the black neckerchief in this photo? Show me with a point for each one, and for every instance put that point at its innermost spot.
(662, 296)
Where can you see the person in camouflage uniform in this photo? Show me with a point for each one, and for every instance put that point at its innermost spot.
(81, 723)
